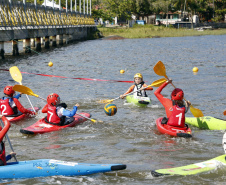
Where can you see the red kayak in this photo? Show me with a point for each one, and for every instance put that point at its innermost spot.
(173, 131)
(41, 126)
(20, 116)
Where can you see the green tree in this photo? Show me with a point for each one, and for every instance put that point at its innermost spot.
(220, 9)
(119, 7)
(105, 15)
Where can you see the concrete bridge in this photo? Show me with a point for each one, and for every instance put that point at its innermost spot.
(37, 24)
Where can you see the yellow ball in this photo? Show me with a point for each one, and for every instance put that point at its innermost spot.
(50, 64)
(122, 71)
(195, 69)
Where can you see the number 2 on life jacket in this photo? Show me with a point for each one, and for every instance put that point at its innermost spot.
(4, 109)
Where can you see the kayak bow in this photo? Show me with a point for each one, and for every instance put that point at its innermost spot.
(51, 167)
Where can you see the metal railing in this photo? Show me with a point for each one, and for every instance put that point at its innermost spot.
(19, 15)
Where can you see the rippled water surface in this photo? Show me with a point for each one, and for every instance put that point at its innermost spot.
(130, 137)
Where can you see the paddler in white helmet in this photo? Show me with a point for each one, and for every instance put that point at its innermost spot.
(138, 85)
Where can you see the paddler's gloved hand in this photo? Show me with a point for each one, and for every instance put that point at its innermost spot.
(13, 154)
(122, 96)
(31, 113)
(188, 103)
(142, 88)
(77, 105)
(169, 81)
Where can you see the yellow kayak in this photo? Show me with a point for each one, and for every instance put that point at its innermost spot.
(207, 122)
(138, 100)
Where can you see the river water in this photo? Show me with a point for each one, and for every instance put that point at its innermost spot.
(129, 137)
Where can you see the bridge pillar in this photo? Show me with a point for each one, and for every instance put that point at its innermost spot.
(15, 48)
(2, 51)
(54, 41)
(60, 39)
(38, 44)
(27, 46)
(71, 38)
(42, 41)
(47, 42)
(32, 42)
(66, 40)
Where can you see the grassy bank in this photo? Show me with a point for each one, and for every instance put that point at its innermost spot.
(149, 31)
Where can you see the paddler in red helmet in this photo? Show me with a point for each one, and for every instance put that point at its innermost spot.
(138, 85)
(10, 105)
(56, 112)
(3, 132)
(175, 108)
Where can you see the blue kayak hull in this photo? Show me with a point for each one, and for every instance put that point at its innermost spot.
(51, 167)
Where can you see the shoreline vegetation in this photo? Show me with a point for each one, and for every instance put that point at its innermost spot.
(151, 31)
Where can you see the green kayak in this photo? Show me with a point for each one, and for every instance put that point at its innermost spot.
(193, 168)
(139, 101)
(207, 122)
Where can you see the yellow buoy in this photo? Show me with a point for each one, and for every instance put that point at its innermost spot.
(195, 69)
(122, 71)
(50, 64)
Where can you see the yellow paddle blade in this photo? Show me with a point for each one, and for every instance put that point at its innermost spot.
(93, 120)
(106, 101)
(160, 69)
(196, 112)
(224, 112)
(16, 74)
(25, 90)
(158, 83)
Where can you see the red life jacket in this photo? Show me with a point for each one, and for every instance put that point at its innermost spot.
(2, 153)
(177, 118)
(5, 108)
(52, 116)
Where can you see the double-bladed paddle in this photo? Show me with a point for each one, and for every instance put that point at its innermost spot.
(16, 75)
(26, 90)
(156, 83)
(160, 70)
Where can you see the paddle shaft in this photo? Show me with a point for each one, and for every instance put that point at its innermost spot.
(29, 99)
(41, 98)
(9, 141)
(134, 92)
(86, 117)
(16, 75)
(160, 70)
(172, 83)
(128, 94)
(156, 83)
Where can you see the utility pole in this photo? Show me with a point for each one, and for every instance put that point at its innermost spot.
(167, 15)
(213, 8)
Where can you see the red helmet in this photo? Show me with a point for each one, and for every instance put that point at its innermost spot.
(177, 94)
(52, 99)
(8, 90)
